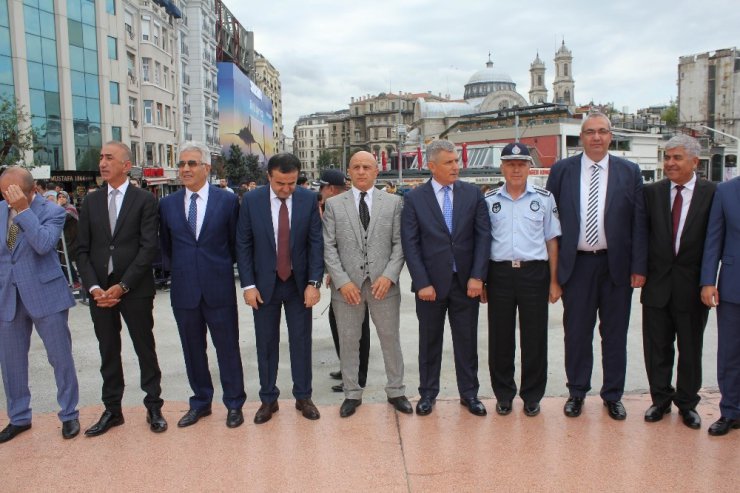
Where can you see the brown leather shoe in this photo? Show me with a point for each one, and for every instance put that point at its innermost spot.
(307, 408)
(264, 413)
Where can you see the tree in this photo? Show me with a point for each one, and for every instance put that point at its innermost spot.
(17, 137)
(670, 115)
(253, 171)
(327, 159)
(236, 165)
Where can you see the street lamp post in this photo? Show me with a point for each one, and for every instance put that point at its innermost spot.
(401, 129)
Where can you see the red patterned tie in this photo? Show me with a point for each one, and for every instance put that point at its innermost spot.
(676, 212)
(283, 243)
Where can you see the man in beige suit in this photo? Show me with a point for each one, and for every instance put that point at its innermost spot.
(363, 255)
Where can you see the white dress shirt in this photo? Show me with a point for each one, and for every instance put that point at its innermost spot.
(586, 172)
(440, 194)
(201, 202)
(119, 198)
(368, 200)
(686, 194)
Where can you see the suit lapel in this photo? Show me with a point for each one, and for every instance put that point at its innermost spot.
(612, 185)
(214, 202)
(698, 200)
(348, 202)
(4, 213)
(266, 206)
(664, 210)
(378, 204)
(573, 180)
(178, 202)
(433, 205)
(126, 205)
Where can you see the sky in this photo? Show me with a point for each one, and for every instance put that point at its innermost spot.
(624, 52)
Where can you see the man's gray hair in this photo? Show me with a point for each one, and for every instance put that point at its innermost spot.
(126, 149)
(191, 145)
(689, 144)
(438, 146)
(596, 114)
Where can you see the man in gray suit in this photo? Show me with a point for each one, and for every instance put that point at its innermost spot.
(363, 254)
(33, 292)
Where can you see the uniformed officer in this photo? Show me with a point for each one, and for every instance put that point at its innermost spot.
(521, 274)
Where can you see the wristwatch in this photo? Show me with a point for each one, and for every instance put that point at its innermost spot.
(124, 287)
(316, 284)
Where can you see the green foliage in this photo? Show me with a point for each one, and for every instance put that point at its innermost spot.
(253, 171)
(16, 135)
(235, 166)
(670, 115)
(328, 159)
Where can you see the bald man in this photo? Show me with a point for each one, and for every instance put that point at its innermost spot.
(33, 292)
(363, 255)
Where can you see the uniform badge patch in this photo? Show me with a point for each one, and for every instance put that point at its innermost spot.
(555, 211)
(496, 207)
(534, 205)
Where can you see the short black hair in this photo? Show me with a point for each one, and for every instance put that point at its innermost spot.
(284, 162)
(302, 179)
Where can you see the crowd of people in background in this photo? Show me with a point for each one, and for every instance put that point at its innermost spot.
(589, 238)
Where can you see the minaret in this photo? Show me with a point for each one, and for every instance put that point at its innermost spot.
(563, 85)
(537, 91)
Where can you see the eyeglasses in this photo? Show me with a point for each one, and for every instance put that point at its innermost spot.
(192, 163)
(591, 132)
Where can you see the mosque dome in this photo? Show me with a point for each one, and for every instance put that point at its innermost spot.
(486, 81)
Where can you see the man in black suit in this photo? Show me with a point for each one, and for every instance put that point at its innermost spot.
(117, 241)
(677, 209)
(446, 238)
(602, 257)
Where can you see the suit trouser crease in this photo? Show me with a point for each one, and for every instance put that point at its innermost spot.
(527, 290)
(16, 340)
(662, 326)
(364, 341)
(267, 335)
(463, 316)
(728, 358)
(193, 324)
(591, 291)
(137, 313)
(386, 318)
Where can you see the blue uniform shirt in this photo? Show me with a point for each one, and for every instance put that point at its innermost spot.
(520, 228)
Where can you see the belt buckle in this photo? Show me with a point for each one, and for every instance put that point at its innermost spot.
(515, 264)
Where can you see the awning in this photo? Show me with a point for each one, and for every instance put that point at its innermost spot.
(172, 9)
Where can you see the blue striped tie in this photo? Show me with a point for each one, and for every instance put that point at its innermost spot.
(193, 215)
(592, 209)
(447, 208)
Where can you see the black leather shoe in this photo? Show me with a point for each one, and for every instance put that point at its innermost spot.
(349, 406)
(531, 408)
(12, 431)
(307, 408)
(234, 418)
(690, 418)
(656, 413)
(424, 406)
(264, 413)
(70, 429)
(156, 421)
(108, 420)
(474, 406)
(192, 416)
(336, 375)
(402, 404)
(573, 407)
(503, 407)
(616, 410)
(720, 427)
(338, 387)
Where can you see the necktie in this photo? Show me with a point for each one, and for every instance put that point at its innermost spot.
(364, 211)
(112, 217)
(283, 246)
(13, 230)
(592, 209)
(447, 208)
(676, 213)
(193, 215)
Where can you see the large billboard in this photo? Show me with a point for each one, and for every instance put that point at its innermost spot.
(245, 117)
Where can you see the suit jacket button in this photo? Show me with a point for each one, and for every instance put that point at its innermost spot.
(111, 247)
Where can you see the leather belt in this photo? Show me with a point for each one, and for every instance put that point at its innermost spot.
(592, 252)
(517, 264)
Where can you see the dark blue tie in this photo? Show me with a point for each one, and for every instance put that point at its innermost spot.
(193, 215)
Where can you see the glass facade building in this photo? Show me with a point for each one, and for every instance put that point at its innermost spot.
(6, 62)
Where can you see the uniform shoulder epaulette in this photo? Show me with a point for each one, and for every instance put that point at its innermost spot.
(542, 191)
(493, 191)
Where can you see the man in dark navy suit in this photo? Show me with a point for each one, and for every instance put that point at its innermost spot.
(280, 255)
(677, 209)
(446, 238)
(197, 231)
(723, 243)
(602, 257)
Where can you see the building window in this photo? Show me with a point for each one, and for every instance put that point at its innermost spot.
(145, 27)
(116, 133)
(166, 76)
(134, 152)
(131, 64)
(157, 72)
(149, 151)
(112, 48)
(155, 32)
(110, 7)
(145, 63)
(132, 109)
(167, 116)
(565, 70)
(115, 95)
(148, 111)
(159, 114)
(128, 22)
